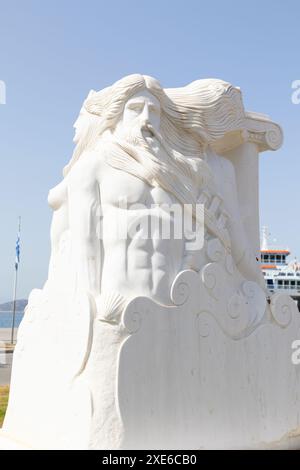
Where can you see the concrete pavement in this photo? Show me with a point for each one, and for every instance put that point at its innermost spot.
(5, 367)
(6, 355)
(5, 334)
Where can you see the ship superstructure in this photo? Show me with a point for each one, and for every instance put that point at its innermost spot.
(280, 275)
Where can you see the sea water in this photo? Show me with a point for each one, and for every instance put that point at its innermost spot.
(6, 319)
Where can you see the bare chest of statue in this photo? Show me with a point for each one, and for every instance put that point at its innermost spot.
(138, 235)
(136, 227)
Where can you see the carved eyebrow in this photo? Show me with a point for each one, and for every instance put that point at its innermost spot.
(141, 101)
(136, 101)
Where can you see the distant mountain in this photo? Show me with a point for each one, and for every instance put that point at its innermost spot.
(8, 306)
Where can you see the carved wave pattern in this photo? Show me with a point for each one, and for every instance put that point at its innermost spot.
(282, 308)
(133, 313)
(183, 287)
(205, 295)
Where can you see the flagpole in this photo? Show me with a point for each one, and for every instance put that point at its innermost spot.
(15, 287)
(14, 305)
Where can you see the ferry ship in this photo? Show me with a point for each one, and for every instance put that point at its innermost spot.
(280, 275)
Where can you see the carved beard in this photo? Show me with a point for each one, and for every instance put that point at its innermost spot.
(149, 159)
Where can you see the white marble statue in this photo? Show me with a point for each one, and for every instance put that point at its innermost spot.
(154, 328)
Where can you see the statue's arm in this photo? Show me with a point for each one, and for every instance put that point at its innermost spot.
(58, 201)
(84, 219)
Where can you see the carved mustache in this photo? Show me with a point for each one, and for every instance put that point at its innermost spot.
(136, 135)
(148, 128)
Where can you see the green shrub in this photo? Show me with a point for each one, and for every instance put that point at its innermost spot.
(4, 390)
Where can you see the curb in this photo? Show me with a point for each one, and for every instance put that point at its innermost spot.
(8, 347)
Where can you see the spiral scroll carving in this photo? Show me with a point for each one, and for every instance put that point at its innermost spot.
(256, 300)
(215, 250)
(181, 293)
(185, 283)
(274, 138)
(132, 318)
(282, 308)
(213, 279)
(236, 306)
(249, 289)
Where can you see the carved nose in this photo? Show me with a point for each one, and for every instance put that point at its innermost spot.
(145, 113)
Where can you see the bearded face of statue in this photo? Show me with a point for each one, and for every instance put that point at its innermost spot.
(141, 117)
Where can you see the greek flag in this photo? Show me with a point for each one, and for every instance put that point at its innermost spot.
(17, 261)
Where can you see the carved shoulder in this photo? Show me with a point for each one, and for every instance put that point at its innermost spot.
(87, 169)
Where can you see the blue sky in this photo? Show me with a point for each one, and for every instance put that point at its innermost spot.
(53, 53)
